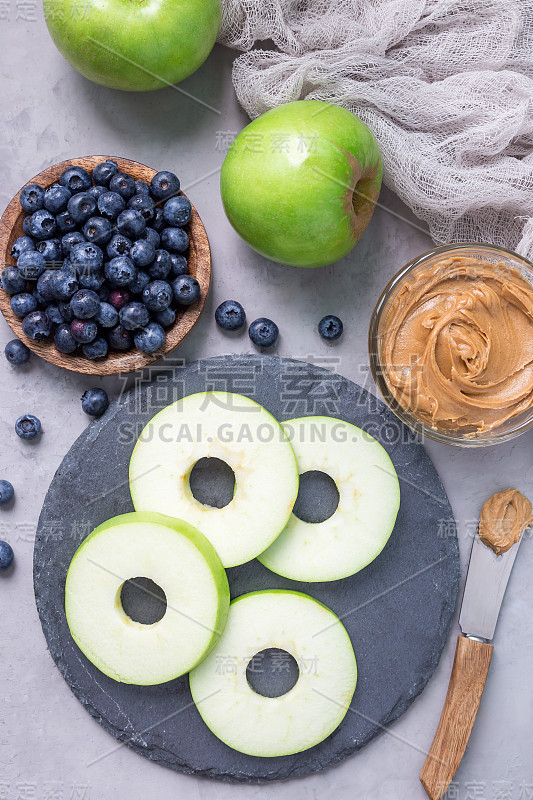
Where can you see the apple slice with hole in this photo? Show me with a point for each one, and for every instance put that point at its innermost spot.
(179, 560)
(233, 429)
(271, 726)
(369, 499)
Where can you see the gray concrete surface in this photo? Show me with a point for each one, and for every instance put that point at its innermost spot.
(49, 746)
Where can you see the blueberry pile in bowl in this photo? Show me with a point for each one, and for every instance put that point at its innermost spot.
(111, 264)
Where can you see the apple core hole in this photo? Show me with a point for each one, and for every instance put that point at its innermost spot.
(318, 497)
(212, 482)
(143, 600)
(272, 672)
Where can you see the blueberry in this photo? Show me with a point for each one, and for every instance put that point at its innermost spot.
(93, 282)
(12, 281)
(230, 315)
(22, 244)
(119, 298)
(186, 289)
(56, 198)
(144, 205)
(157, 295)
(103, 293)
(106, 316)
(131, 223)
(97, 191)
(160, 266)
(104, 171)
(177, 211)
(142, 253)
(118, 246)
(39, 299)
(70, 239)
(134, 315)
(42, 224)
(330, 327)
(66, 311)
(85, 304)
(174, 239)
(64, 340)
(65, 223)
(110, 205)
(151, 236)
(119, 338)
(96, 349)
(26, 225)
(83, 330)
(141, 187)
(140, 282)
(54, 314)
(17, 353)
(164, 184)
(81, 207)
(165, 318)
(120, 271)
(31, 264)
(178, 265)
(86, 258)
(6, 555)
(150, 338)
(23, 304)
(45, 285)
(263, 332)
(95, 402)
(7, 492)
(98, 230)
(52, 251)
(63, 282)
(122, 184)
(27, 426)
(76, 179)
(37, 326)
(31, 198)
(159, 222)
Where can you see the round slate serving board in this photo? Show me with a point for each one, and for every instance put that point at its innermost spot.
(397, 611)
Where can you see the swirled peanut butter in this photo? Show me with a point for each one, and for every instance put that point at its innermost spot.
(504, 517)
(457, 344)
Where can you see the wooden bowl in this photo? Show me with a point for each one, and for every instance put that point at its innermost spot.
(199, 259)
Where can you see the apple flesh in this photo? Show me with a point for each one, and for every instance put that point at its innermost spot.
(311, 710)
(134, 45)
(300, 182)
(176, 557)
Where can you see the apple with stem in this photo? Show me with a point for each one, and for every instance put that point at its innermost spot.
(300, 182)
(134, 45)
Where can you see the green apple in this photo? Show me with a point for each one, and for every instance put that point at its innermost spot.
(135, 45)
(245, 436)
(180, 560)
(369, 499)
(300, 182)
(311, 710)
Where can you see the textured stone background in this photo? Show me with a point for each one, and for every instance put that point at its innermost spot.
(47, 740)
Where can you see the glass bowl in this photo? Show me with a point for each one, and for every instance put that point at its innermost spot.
(460, 437)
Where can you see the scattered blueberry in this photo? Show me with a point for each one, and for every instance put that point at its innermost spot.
(140, 282)
(263, 332)
(178, 265)
(110, 205)
(42, 224)
(21, 244)
(17, 353)
(174, 239)
(150, 339)
(31, 264)
(52, 252)
(98, 230)
(131, 223)
(86, 257)
(54, 314)
(65, 223)
(134, 315)
(141, 187)
(119, 338)
(122, 184)
(83, 330)
(31, 198)
(119, 298)
(64, 340)
(6, 555)
(186, 290)
(37, 326)
(85, 304)
(7, 492)
(230, 315)
(142, 253)
(96, 349)
(164, 184)
(71, 239)
(104, 171)
(160, 266)
(106, 316)
(23, 304)
(166, 318)
(95, 402)
(144, 205)
(157, 295)
(76, 179)
(27, 426)
(330, 327)
(120, 271)
(56, 198)
(177, 211)
(81, 207)
(12, 281)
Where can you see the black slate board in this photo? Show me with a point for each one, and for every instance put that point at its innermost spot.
(405, 599)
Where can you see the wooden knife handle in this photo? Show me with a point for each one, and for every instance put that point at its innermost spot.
(469, 673)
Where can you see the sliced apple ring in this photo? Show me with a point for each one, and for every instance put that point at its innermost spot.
(177, 558)
(238, 431)
(277, 726)
(369, 499)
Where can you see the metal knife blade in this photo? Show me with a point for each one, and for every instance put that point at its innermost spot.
(485, 586)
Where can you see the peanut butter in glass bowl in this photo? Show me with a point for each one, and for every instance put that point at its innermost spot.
(451, 344)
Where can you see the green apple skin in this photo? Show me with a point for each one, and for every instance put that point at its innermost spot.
(134, 45)
(288, 182)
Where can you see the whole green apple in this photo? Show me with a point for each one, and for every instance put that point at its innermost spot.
(135, 45)
(300, 182)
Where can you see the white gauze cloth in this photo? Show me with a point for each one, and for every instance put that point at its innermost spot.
(446, 87)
